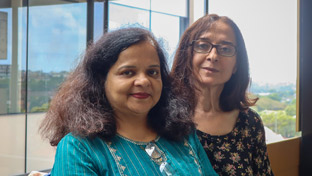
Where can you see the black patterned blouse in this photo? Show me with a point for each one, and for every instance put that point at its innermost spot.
(241, 152)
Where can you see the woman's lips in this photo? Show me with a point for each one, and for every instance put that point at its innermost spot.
(140, 95)
(209, 69)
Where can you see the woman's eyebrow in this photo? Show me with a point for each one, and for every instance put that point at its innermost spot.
(126, 66)
(205, 39)
(227, 42)
(154, 66)
(222, 41)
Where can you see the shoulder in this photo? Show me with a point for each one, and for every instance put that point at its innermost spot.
(68, 139)
(251, 120)
(71, 143)
(255, 124)
(75, 142)
(251, 117)
(71, 139)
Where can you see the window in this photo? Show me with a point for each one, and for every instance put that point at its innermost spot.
(12, 84)
(41, 48)
(40, 44)
(56, 39)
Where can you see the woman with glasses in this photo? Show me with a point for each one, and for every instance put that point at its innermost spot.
(211, 73)
(114, 115)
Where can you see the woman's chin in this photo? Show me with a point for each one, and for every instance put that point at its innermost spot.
(141, 110)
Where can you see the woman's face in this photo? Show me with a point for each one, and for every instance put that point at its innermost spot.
(133, 85)
(212, 69)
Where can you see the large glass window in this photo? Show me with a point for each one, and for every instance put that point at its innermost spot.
(56, 39)
(270, 32)
(12, 86)
(40, 44)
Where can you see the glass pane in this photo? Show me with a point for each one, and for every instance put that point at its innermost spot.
(125, 16)
(98, 20)
(271, 41)
(163, 25)
(173, 7)
(57, 38)
(12, 86)
(168, 37)
(142, 4)
(199, 9)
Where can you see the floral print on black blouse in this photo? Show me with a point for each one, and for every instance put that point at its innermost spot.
(241, 152)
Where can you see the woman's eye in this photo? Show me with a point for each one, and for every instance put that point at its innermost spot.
(127, 73)
(226, 49)
(153, 72)
(203, 46)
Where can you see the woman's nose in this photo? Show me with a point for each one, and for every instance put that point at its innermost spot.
(213, 55)
(142, 80)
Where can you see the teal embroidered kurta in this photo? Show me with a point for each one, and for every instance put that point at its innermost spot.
(121, 156)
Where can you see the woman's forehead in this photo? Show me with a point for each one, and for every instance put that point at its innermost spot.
(219, 31)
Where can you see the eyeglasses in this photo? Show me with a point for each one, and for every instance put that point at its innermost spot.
(203, 46)
(159, 158)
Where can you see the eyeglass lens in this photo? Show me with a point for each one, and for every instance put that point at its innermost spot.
(222, 49)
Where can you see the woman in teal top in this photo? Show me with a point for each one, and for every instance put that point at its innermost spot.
(123, 156)
(115, 115)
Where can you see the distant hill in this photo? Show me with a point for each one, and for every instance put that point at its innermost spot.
(266, 103)
(257, 88)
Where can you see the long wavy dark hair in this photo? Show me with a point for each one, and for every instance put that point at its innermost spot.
(234, 95)
(81, 107)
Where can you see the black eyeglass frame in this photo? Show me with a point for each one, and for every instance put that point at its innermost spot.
(213, 46)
